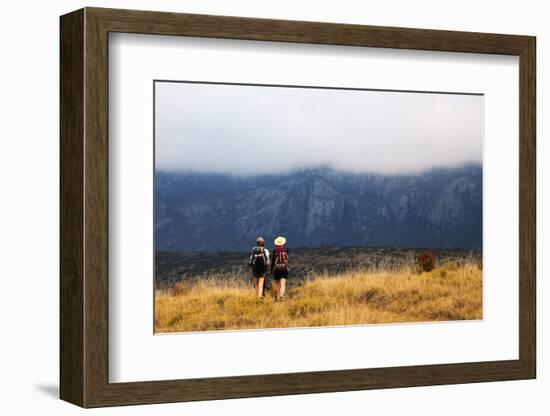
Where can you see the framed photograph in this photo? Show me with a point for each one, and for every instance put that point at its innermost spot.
(255, 207)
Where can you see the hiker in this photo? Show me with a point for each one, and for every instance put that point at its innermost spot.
(259, 262)
(280, 268)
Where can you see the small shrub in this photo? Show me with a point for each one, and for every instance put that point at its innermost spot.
(426, 261)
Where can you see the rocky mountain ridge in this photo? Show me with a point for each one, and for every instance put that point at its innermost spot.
(440, 208)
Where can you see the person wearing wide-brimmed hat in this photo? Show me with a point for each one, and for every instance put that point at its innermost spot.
(259, 262)
(280, 267)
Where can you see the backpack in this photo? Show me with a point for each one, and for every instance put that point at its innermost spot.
(258, 259)
(280, 261)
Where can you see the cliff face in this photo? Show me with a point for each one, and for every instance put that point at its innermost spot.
(441, 208)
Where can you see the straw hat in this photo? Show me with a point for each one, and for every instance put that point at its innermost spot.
(280, 241)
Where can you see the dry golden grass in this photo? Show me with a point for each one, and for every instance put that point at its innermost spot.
(446, 293)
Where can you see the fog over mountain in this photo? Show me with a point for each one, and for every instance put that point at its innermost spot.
(253, 130)
(322, 206)
(322, 166)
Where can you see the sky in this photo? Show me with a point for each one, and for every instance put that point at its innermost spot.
(250, 130)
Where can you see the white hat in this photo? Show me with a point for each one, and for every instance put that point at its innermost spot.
(280, 241)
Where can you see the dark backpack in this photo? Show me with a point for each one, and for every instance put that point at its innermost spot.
(258, 259)
(280, 261)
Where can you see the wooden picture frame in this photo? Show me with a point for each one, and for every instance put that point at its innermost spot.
(84, 207)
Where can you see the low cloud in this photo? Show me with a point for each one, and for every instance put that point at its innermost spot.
(244, 130)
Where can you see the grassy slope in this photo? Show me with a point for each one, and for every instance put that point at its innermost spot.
(446, 293)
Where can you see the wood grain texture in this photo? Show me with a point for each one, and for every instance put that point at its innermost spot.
(527, 208)
(96, 219)
(84, 207)
(162, 23)
(71, 213)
